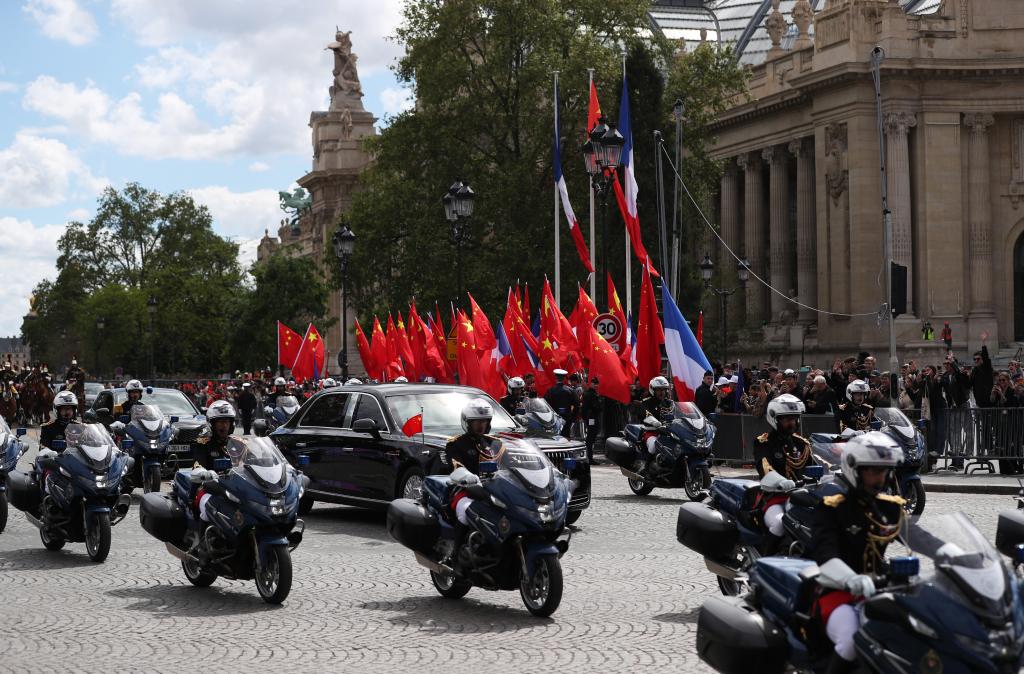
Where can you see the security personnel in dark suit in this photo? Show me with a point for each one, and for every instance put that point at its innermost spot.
(211, 444)
(515, 402)
(65, 407)
(563, 400)
(593, 411)
(851, 529)
(856, 413)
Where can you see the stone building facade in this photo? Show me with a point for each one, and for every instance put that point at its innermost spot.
(801, 192)
(15, 351)
(338, 159)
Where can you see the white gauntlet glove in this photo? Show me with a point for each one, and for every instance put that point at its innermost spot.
(860, 585)
(200, 475)
(773, 481)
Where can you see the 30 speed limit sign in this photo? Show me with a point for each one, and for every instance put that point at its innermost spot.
(611, 329)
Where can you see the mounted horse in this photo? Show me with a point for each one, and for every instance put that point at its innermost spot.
(36, 398)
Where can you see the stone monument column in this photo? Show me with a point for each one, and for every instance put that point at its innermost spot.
(837, 181)
(897, 125)
(980, 214)
(753, 227)
(806, 229)
(781, 253)
(731, 234)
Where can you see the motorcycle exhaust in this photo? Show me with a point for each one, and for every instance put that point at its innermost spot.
(630, 474)
(723, 571)
(432, 565)
(181, 554)
(35, 521)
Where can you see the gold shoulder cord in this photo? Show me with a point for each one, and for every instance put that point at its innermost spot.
(875, 549)
(795, 465)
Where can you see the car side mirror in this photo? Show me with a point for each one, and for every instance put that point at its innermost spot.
(522, 420)
(20, 432)
(175, 420)
(368, 426)
(259, 427)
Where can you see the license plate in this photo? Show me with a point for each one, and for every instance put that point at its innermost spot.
(179, 449)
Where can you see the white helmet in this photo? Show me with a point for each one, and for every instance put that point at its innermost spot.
(65, 399)
(353, 380)
(133, 385)
(870, 449)
(220, 409)
(785, 405)
(279, 381)
(857, 386)
(516, 384)
(401, 380)
(329, 383)
(475, 409)
(658, 383)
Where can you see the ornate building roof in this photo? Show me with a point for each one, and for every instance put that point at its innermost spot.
(741, 22)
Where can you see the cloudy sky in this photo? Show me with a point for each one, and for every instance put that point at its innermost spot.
(209, 96)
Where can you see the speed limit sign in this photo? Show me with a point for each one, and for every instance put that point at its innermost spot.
(610, 328)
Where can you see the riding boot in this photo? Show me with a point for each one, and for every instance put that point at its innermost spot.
(837, 665)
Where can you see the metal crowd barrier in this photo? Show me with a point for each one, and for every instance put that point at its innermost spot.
(970, 439)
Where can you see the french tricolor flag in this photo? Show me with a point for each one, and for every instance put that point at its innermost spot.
(502, 352)
(685, 356)
(574, 227)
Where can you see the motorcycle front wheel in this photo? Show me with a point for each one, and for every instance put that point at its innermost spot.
(97, 536)
(542, 592)
(915, 498)
(151, 481)
(697, 481)
(274, 580)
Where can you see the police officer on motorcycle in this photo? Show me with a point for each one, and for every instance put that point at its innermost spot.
(659, 403)
(279, 390)
(465, 452)
(133, 389)
(780, 456)
(856, 413)
(515, 402)
(851, 530)
(65, 407)
(211, 444)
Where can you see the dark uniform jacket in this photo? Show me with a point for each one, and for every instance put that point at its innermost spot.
(271, 399)
(705, 399)
(785, 454)
(207, 449)
(469, 450)
(563, 400)
(850, 525)
(50, 431)
(127, 405)
(656, 408)
(857, 417)
(513, 404)
(247, 403)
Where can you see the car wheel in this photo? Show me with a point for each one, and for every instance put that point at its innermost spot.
(410, 485)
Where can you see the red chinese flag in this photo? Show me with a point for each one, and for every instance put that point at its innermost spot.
(470, 373)
(593, 110)
(585, 314)
(515, 328)
(485, 339)
(613, 382)
(649, 334)
(524, 305)
(394, 363)
(425, 346)
(555, 323)
(441, 342)
(365, 353)
(413, 425)
(413, 370)
(309, 364)
(288, 344)
(379, 349)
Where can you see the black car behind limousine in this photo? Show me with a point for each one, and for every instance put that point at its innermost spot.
(358, 454)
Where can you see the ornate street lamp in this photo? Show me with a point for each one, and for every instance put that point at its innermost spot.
(344, 241)
(602, 154)
(151, 308)
(100, 324)
(707, 270)
(458, 204)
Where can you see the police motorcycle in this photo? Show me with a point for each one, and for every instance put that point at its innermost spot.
(680, 459)
(516, 533)
(907, 477)
(539, 418)
(282, 411)
(251, 505)
(953, 606)
(75, 496)
(147, 436)
(11, 449)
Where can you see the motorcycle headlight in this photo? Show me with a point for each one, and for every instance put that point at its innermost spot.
(544, 513)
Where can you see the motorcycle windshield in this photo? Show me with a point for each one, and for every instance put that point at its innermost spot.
(149, 418)
(258, 459)
(90, 441)
(288, 404)
(529, 465)
(965, 563)
(541, 417)
(897, 421)
(690, 425)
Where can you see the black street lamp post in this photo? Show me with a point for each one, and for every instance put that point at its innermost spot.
(707, 269)
(602, 155)
(458, 208)
(344, 243)
(100, 324)
(151, 308)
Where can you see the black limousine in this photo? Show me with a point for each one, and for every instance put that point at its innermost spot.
(358, 454)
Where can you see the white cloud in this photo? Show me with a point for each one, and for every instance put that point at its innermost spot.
(259, 167)
(8, 87)
(63, 20)
(32, 251)
(37, 171)
(79, 215)
(396, 100)
(240, 214)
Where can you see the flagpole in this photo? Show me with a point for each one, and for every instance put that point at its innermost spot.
(593, 259)
(558, 241)
(279, 348)
(629, 260)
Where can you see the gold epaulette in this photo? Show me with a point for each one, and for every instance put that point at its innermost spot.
(452, 438)
(834, 500)
(842, 407)
(203, 440)
(870, 407)
(763, 437)
(890, 498)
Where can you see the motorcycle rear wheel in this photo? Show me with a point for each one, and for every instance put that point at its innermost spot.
(97, 537)
(196, 575)
(152, 480)
(448, 587)
(744, 557)
(542, 593)
(640, 487)
(274, 580)
(51, 542)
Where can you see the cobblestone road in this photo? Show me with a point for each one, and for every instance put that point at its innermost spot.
(361, 603)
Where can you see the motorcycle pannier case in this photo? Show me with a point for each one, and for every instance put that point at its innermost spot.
(706, 531)
(620, 452)
(22, 491)
(412, 525)
(161, 516)
(734, 638)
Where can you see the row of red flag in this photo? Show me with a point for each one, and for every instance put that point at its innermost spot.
(306, 356)
(487, 355)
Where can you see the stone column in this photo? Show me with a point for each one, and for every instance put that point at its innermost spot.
(837, 180)
(731, 234)
(781, 264)
(980, 214)
(753, 228)
(897, 124)
(806, 229)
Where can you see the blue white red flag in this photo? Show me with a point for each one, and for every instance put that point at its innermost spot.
(626, 196)
(685, 357)
(574, 227)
